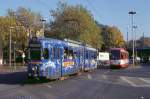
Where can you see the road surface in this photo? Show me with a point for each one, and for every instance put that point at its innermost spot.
(126, 83)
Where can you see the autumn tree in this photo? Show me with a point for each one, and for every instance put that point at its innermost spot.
(112, 37)
(76, 23)
(22, 20)
(5, 24)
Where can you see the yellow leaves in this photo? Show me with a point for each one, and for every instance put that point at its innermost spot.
(19, 20)
(116, 36)
(77, 23)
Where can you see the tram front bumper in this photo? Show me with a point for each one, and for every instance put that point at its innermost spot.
(33, 72)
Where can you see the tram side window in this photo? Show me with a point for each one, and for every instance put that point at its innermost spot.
(46, 53)
(57, 53)
(68, 54)
(123, 56)
(93, 55)
(86, 55)
(75, 54)
(53, 53)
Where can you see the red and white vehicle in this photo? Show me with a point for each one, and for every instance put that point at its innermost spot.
(119, 58)
(1, 56)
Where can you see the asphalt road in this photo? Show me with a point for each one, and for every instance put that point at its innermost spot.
(129, 83)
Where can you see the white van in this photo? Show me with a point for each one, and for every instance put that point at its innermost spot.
(103, 59)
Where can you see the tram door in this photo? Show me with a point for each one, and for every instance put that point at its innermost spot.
(52, 61)
(57, 59)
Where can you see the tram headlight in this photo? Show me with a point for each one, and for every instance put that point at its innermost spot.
(33, 68)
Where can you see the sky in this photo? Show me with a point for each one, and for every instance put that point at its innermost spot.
(107, 12)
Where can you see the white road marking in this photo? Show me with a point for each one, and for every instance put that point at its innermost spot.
(104, 76)
(128, 81)
(89, 76)
(144, 85)
(49, 86)
(141, 97)
(147, 81)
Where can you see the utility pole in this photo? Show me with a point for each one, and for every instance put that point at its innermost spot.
(15, 55)
(132, 13)
(135, 28)
(10, 45)
(143, 40)
(1, 50)
(127, 37)
(43, 23)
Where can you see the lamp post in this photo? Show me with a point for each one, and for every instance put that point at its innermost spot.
(43, 26)
(135, 27)
(15, 55)
(127, 38)
(132, 13)
(10, 40)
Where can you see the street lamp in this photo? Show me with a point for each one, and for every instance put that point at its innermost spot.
(132, 13)
(14, 55)
(135, 27)
(10, 45)
(127, 38)
(43, 25)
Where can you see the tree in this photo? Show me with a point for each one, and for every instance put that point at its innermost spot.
(22, 20)
(76, 23)
(28, 19)
(112, 37)
(5, 24)
(140, 43)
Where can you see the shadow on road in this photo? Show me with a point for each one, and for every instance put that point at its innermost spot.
(13, 78)
(20, 78)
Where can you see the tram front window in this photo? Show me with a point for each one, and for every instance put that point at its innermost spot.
(115, 55)
(35, 54)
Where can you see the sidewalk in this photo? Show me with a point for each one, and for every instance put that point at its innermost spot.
(7, 68)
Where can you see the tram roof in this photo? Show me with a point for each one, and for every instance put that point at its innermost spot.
(120, 49)
(67, 42)
(117, 49)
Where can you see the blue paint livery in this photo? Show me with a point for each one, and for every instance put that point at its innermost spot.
(56, 65)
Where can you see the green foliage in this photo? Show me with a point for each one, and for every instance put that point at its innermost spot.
(112, 37)
(5, 24)
(72, 22)
(29, 19)
(21, 20)
(76, 23)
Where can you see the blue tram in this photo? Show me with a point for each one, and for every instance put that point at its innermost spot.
(52, 58)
